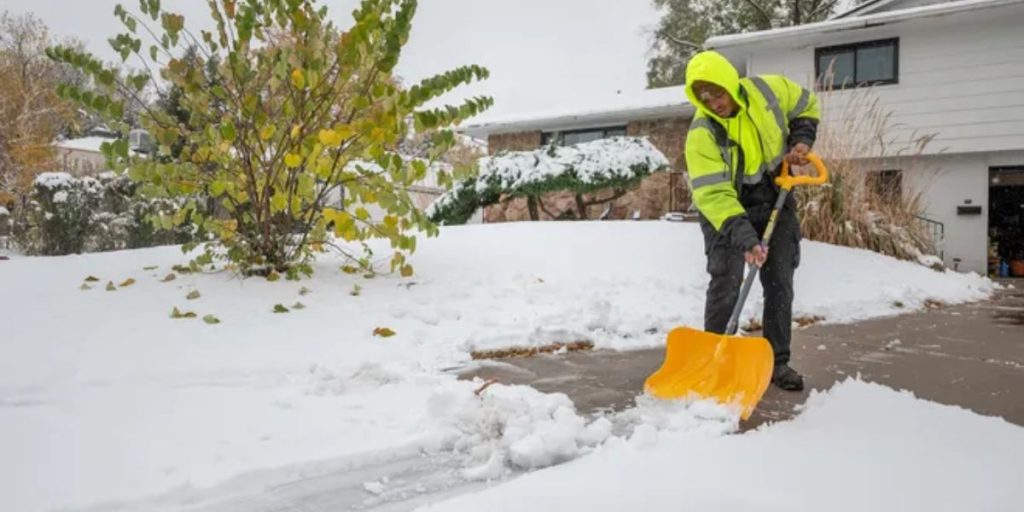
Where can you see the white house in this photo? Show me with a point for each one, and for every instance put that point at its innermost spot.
(82, 157)
(951, 73)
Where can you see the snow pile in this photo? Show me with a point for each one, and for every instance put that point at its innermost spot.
(856, 447)
(508, 428)
(505, 429)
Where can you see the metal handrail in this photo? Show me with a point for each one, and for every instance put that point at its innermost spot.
(938, 232)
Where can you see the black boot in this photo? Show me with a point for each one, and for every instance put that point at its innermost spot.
(787, 378)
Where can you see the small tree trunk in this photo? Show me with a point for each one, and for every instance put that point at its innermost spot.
(531, 205)
(581, 207)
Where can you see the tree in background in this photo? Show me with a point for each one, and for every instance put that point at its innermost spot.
(687, 24)
(302, 111)
(32, 115)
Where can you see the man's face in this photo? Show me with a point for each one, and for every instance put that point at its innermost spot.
(715, 98)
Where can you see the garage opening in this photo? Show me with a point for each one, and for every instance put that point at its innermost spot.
(1006, 221)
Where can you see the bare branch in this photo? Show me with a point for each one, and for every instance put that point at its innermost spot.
(682, 42)
(760, 10)
(825, 7)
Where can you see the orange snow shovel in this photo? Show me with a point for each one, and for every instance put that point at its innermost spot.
(726, 367)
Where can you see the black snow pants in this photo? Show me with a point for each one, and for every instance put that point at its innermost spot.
(726, 265)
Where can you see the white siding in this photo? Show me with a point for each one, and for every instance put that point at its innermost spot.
(948, 181)
(961, 78)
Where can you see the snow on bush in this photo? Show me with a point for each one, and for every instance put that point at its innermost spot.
(68, 215)
(59, 214)
(616, 162)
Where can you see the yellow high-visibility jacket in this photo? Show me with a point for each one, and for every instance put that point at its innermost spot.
(725, 154)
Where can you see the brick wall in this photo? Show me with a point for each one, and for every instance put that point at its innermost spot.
(658, 193)
(522, 141)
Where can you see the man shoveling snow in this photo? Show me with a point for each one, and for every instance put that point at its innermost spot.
(734, 150)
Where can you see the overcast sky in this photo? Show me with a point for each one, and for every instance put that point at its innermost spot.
(541, 53)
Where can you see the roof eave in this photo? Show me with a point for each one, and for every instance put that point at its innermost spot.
(866, 21)
(577, 121)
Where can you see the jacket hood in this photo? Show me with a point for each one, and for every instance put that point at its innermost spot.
(711, 66)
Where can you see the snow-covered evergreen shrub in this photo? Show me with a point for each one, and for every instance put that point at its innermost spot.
(122, 218)
(617, 163)
(67, 215)
(6, 223)
(58, 214)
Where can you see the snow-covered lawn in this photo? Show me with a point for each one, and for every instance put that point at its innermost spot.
(105, 398)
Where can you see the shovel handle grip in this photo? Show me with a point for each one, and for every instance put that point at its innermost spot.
(787, 181)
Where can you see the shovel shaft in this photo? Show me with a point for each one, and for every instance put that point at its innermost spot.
(752, 269)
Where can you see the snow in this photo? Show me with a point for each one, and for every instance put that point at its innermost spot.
(105, 399)
(54, 180)
(857, 447)
(60, 197)
(4, 211)
(836, 24)
(591, 105)
(92, 144)
(590, 162)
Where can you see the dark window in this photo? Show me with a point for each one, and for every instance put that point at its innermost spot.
(868, 63)
(887, 185)
(571, 137)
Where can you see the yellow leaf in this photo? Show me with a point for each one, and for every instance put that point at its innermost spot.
(349, 269)
(292, 160)
(406, 270)
(278, 203)
(362, 214)
(110, 286)
(295, 130)
(344, 131)
(329, 138)
(391, 221)
(170, 277)
(350, 234)
(176, 313)
(127, 282)
(298, 79)
(267, 132)
(273, 276)
(383, 332)
(92, 279)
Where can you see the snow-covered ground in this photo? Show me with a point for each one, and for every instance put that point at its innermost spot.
(857, 447)
(104, 398)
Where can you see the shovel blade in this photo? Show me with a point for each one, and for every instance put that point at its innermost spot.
(733, 370)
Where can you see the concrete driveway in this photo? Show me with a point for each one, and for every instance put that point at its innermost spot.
(968, 355)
